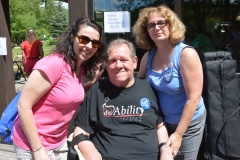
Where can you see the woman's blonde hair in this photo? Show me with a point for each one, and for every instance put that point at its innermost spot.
(31, 36)
(140, 33)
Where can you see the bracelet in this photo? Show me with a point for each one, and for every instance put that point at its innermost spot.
(161, 144)
(38, 149)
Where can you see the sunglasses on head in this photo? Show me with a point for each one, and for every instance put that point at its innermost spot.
(85, 40)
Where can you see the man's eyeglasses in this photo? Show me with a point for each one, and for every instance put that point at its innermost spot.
(160, 24)
(85, 40)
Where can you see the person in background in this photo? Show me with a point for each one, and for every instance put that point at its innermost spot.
(230, 42)
(32, 51)
(174, 70)
(54, 90)
(120, 117)
(44, 37)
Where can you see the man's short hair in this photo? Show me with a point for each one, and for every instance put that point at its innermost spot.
(120, 41)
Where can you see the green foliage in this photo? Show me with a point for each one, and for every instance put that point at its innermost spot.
(20, 18)
(59, 21)
(24, 14)
(52, 42)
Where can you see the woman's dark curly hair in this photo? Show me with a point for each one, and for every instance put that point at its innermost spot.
(65, 47)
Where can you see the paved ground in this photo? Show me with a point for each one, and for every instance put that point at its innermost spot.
(7, 151)
(19, 84)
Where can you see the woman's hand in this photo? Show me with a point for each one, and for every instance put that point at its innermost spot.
(42, 154)
(98, 75)
(174, 142)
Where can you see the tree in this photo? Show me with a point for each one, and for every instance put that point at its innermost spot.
(58, 21)
(22, 17)
(25, 14)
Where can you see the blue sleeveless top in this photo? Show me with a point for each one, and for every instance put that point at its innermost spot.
(169, 86)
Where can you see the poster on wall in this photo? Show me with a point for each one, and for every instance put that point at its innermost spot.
(116, 22)
(3, 46)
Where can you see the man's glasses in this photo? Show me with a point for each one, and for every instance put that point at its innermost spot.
(160, 24)
(85, 40)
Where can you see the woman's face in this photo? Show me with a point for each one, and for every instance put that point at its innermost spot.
(85, 43)
(158, 27)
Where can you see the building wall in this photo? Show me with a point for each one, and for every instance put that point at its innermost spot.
(7, 87)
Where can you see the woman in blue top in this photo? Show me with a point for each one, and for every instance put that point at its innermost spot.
(175, 72)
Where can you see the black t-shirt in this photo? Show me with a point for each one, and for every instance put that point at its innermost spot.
(122, 121)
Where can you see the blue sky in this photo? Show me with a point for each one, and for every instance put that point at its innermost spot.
(65, 5)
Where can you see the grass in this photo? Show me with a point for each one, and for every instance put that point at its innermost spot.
(47, 49)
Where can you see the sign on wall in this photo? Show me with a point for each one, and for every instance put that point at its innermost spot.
(117, 22)
(3, 46)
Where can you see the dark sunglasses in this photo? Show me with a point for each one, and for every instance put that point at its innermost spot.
(160, 24)
(85, 40)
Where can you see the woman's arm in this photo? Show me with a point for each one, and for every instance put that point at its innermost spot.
(23, 55)
(86, 147)
(87, 85)
(192, 76)
(143, 65)
(41, 51)
(36, 86)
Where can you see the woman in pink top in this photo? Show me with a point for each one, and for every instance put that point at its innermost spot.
(54, 91)
(31, 51)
